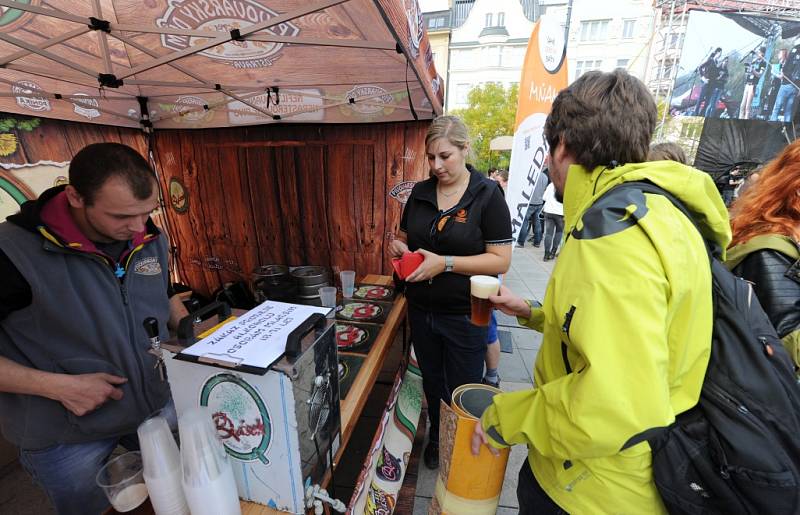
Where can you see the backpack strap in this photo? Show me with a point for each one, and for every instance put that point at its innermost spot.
(714, 252)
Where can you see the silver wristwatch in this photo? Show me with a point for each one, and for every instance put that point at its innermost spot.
(449, 263)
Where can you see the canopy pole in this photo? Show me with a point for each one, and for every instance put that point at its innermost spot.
(44, 44)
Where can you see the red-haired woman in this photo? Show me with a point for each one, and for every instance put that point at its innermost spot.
(765, 248)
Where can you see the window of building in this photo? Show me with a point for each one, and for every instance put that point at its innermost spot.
(501, 19)
(489, 20)
(623, 64)
(582, 67)
(628, 26)
(675, 40)
(594, 30)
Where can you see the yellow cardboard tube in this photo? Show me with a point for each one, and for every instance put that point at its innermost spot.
(467, 484)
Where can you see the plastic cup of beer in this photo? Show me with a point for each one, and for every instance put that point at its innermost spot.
(122, 481)
(481, 287)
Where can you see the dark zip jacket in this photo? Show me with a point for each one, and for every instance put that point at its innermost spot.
(85, 316)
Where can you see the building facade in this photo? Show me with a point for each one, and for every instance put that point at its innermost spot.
(437, 23)
(487, 44)
(609, 35)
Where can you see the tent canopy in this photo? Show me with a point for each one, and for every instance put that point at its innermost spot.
(501, 143)
(217, 63)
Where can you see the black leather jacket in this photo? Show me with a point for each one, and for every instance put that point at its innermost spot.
(776, 280)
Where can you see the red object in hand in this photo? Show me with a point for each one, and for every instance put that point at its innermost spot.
(405, 266)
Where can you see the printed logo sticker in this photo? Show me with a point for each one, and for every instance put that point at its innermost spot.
(400, 192)
(85, 106)
(379, 502)
(223, 17)
(185, 106)
(12, 19)
(30, 100)
(389, 468)
(416, 26)
(369, 100)
(240, 416)
(147, 266)
(178, 198)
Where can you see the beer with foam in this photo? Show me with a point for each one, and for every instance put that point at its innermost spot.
(481, 287)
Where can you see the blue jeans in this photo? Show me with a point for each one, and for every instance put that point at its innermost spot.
(450, 352)
(68, 472)
(712, 103)
(784, 102)
(531, 218)
(705, 93)
(553, 232)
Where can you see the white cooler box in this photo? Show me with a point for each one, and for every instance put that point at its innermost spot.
(278, 419)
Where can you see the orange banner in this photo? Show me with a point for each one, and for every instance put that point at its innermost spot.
(544, 74)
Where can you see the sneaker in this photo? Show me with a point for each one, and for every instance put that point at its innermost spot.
(517, 245)
(431, 455)
(537, 245)
(490, 383)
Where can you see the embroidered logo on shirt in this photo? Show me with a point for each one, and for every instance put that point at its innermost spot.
(147, 266)
(442, 223)
(461, 216)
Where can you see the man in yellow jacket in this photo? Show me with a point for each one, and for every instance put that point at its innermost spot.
(627, 315)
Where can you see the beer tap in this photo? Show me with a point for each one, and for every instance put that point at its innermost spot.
(151, 328)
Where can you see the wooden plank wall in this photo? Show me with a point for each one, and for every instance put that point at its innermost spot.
(59, 141)
(290, 194)
(295, 194)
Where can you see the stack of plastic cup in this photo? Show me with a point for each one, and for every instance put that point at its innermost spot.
(162, 467)
(208, 480)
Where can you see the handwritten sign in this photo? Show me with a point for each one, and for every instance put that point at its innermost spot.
(257, 338)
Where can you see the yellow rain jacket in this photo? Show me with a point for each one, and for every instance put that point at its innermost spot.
(627, 322)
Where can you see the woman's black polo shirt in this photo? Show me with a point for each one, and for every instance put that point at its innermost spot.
(480, 218)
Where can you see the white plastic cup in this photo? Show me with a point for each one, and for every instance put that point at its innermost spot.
(208, 480)
(162, 467)
(122, 481)
(327, 298)
(348, 283)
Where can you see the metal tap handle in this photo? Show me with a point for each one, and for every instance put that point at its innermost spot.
(151, 327)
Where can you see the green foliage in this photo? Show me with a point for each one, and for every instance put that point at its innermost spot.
(27, 124)
(491, 112)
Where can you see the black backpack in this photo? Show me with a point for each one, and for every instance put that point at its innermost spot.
(738, 450)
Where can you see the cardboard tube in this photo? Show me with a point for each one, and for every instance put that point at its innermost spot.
(467, 484)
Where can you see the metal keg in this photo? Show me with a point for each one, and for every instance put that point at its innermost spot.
(273, 282)
(309, 279)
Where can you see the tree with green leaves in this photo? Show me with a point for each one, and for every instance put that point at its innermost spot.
(491, 113)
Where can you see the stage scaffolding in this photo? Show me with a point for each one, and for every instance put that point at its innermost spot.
(672, 17)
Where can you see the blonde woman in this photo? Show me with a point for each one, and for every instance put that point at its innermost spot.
(458, 220)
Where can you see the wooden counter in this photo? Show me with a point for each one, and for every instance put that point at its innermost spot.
(353, 404)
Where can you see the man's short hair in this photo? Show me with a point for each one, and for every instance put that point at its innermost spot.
(667, 151)
(603, 118)
(94, 164)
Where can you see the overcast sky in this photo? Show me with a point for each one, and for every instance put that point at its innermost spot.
(432, 5)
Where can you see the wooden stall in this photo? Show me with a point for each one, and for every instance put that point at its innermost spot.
(283, 131)
(288, 194)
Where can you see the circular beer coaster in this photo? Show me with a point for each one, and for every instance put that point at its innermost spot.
(372, 292)
(361, 311)
(349, 336)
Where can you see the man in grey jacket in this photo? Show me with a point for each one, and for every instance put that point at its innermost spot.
(82, 267)
(535, 206)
